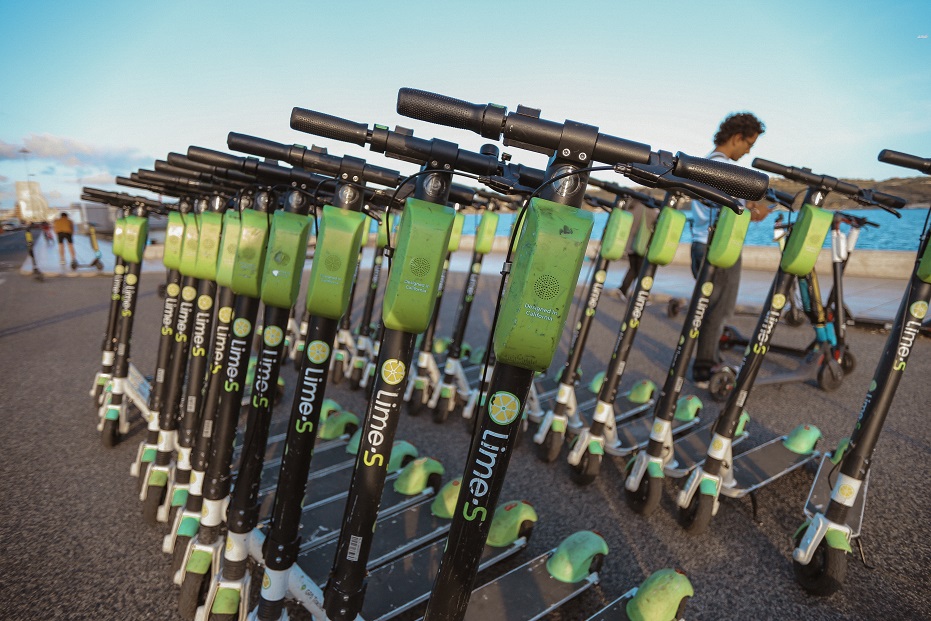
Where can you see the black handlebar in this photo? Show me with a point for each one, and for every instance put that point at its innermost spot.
(897, 158)
(328, 126)
(618, 190)
(526, 129)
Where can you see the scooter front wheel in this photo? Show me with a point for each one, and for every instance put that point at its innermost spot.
(696, 517)
(110, 434)
(355, 378)
(848, 362)
(548, 451)
(830, 375)
(416, 405)
(826, 572)
(645, 500)
(194, 589)
(441, 413)
(587, 470)
(153, 500)
(337, 373)
(721, 384)
(179, 552)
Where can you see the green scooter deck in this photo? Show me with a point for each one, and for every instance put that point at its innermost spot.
(634, 435)
(762, 465)
(616, 610)
(398, 534)
(820, 494)
(691, 449)
(525, 593)
(405, 583)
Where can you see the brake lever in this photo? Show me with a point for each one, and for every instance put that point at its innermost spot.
(659, 177)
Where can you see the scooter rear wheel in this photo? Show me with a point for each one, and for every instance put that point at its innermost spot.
(645, 500)
(355, 378)
(548, 451)
(696, 517)
(721, 384)
(337, 373)
(826, 572)
(830, 375)
(416, 405)
(587, 470)
(154, 495)
(179, 552)
(848, 362)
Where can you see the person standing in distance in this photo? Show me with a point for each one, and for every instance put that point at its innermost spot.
(64, 227)
(735, 137)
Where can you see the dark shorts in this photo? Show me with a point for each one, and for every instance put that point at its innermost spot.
(65, 237)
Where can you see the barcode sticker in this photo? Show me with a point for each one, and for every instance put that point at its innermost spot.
(355, 542)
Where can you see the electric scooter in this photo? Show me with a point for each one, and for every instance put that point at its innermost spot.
(835, 506)
(540, 284)
(736, 476)
(98, 256)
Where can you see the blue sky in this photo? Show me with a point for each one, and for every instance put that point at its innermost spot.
(99, 89)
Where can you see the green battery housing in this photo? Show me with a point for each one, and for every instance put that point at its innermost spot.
(229, 243)
(729, 234)
(455, 237)
(135, 234)
(208, 249)
(806, 240)
(642, 239)
(174, 240)
(543, 279)
(381, 238)
(414, 277)
(334, 263)
(616, 233)
(924, 265)
(250, 253)
(284, 259)
(118, 237)
(485, 234)
(189, 245)
(666, 236)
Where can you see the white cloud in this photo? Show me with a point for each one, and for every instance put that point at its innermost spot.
(73, 153)
(100, 179)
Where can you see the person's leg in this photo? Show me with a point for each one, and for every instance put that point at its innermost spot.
(718, 314)
(61, 248)
(74, 258)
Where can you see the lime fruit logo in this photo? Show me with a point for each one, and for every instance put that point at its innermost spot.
(658, 428)
(872, 385)
(504, 407)
(601, 276)
(266, 581)
(204, 302)
(779, 301)
(918, 309)
(120, 270)
(717, 445)
(173, 290)
(188, 294)
(242, 327)
(225, 314)
(392, 371)
(476, 268)
(845, 491)
(647, 283)
(707, 288)
(318, 352)
(273, 335)
(131, 279)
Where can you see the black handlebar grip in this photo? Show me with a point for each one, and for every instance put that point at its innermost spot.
(897, 158)
(214, 158)
(257, 146)
(328, 126)
(889, 200)
(735, 180)
(462, 194)
(771, 167)
(440, 109)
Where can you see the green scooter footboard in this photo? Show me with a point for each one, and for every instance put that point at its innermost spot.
(135, 234)
(543, 278)
(229, 243)
(666, 236)
(617, 232)
(806, 240)
(174, 239)
(485, 235)
(729, 234)
(284, 259)
(414, 277)
(334, 262)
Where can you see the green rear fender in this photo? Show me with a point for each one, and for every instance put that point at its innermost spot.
(188, 526)
(284, 259)
(199, 563)
(352, 447)
(595, 385)
(414, 277)
(536, 304)
(157, 478)
(174, 240)
(803, 439)
(416, 476)
(572, 560)
(837, 539)
(510, 523)
(687, 408)
(335, 259)
(642, 392)
(226, 602)
(402, 452)
(806, 240)
(708, 487)
(659, 597)
(666, 236)
(444, 505)
(655, 470)
(335, 424)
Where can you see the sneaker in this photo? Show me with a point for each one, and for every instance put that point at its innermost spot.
(701, 375)
(62, 261)
(617, 294)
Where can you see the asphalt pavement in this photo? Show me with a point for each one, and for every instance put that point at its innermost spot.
(74, 545)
